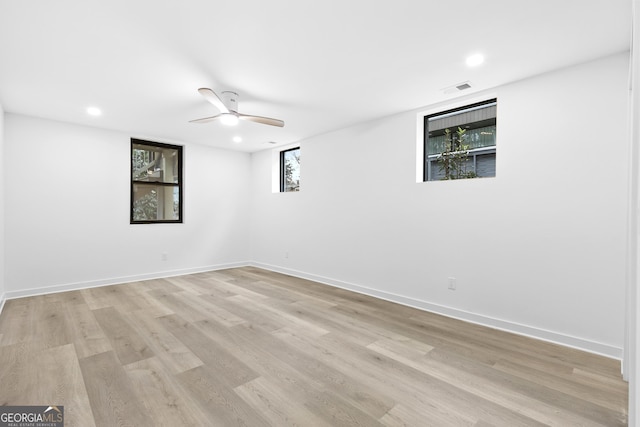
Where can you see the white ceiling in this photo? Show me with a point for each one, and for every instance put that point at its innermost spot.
(317, 65)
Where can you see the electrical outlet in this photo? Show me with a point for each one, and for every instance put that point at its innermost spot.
(452, 283)
(286, 254)
(165, 256)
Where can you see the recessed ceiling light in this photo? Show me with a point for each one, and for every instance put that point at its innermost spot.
(475, 60)
(237, 139)
(94, 111)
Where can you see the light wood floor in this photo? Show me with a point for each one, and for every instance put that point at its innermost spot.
(256, 348)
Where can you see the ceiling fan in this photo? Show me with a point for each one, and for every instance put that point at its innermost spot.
(227, 103)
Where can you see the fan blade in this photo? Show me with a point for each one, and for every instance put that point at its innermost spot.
(213, 98)
(263, 120)
(206, 119)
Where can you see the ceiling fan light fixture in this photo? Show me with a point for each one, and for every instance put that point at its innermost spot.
(228, 106)
(229, 119)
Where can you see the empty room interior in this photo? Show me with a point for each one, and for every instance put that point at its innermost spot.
(244, 213)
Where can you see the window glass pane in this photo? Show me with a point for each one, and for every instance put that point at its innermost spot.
(457, 142)
(291, 171)
(155, 202)
(486, 164)
(475, 138)
(154, 164)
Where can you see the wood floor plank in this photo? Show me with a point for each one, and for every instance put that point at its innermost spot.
(596, 380)
(68, 385)
(241, 342)
(322, 315)
(299, 376)
(53, 328)
(246, 346)
(501, 343)
(94, 300)
(69, 297)
(252, 317)
(18, 321)
(113, 398)
(473, 341)
(268, 399)
(110, 296)
(16, 366)
(214, 397)
(151, 305)
(272, 292)
(418, 390)
(206, 307)
(221, 311)
(162, 285)
(206, 284)
(178, 305)
(230, 369)
(607, 398)
(234, 289)
(162, 396)
(569, 403)
(529, 405)
(403, 351)
(313, 371)
(164, 345)
(86, 333)
(57, 381)
(403, 416)
(184, 284)
(279, 316)
(128, 345)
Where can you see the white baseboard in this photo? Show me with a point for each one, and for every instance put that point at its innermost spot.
(118, 280)
(504, 325)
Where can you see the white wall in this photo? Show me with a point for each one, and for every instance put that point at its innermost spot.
(539, 250)
(2, 269)
(632, 355)
(67, 210)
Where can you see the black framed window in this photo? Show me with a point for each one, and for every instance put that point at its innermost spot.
(290, 170)
(461, 143)
(156, 182)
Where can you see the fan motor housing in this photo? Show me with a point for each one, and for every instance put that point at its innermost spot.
(230, 100)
